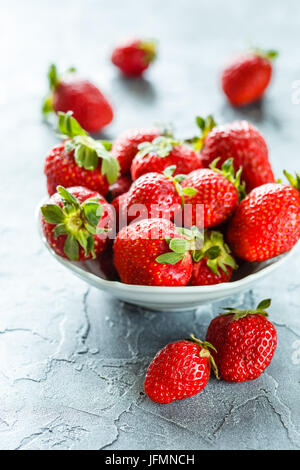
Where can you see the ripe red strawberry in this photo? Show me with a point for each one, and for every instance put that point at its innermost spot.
(213, 263)
(216, 197)
(242, 142)
(120, 186)
(267, 222)
(179, 370)
(89, 106)
(126, 145)
(137, 249)
(161, 153)
(245, 342)
(134, 57)
(247, 76)
(155, 195)
(79, 160)
(76, 223)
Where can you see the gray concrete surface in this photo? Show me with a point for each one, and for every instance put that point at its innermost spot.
(72, 360)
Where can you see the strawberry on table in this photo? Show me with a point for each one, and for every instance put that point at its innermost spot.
(76, 223)
(216, 197)
(267, 222)
(134, 56)
(240, 141)
(89, 105)
(125, 147)
(137, 249)
(179, 370)
(161, 153)
(246, 77)
(245, 342)
(80, 160)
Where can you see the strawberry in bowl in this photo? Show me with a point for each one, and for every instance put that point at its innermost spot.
(212, 259)
(137, 252)
(162, 152)
(213, 263)
(156, 195)
(76, 223)
(79, 160)
(267, 222)
(216, 194)
(239, 140)
(125, 147)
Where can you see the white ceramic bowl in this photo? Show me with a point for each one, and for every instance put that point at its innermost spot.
(169, 299)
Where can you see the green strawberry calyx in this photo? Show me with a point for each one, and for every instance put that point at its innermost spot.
(209, 245)
(293, 180)
(161, 146)
(87, 151)
(216, 252)
(192, 241)
(150, 49)
(54, 79)
(227, 170)
(205, 125)
(269, 54)
(168, 172)
(77, 221)
(204, 352)
(260, 309)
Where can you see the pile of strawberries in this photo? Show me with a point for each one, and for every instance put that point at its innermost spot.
(157, 210)
(180, 212)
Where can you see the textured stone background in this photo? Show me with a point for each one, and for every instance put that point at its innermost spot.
(72, 360)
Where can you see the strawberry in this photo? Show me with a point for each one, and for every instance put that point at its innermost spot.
(245, 341)
(133, 57)
(161, 153)
(126, 145)
(267, 222)
(137, 249)
(213, 263)
(75, 223)
(120, 186)
(156, 195)
(247, 76)
(79, 160)
(242, 142)
(89, 106)
(216, 196)
(179, 370)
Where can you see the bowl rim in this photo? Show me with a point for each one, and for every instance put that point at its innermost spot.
(225, 286)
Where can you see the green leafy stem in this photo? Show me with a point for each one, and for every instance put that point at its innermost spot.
(87, 151)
